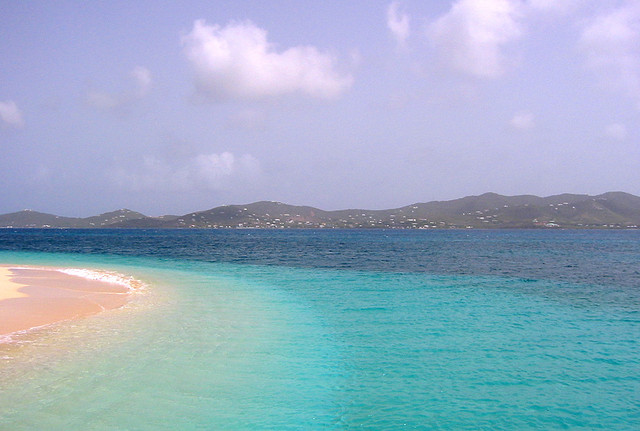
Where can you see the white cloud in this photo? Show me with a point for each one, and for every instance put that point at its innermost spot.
(398, 23)
(237, 61)
(472, 35)
(558, 6)
(214, 169)
(616, 131)
(142, 83)
(205, 171)
(11, 115)
(142, 78)
(523, 120)
(612, 45)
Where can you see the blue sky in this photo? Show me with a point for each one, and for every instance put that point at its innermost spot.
(171, 107)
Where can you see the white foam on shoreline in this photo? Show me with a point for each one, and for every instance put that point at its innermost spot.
(104, 276)
(132, 284)
(94, 274)
(8, 338)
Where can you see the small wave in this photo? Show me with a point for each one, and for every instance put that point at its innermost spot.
(105, 276)
(132, 284)
(93, 274)
(10, 338)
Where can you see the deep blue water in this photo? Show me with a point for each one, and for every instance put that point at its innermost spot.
(596, 256)
(299, 329)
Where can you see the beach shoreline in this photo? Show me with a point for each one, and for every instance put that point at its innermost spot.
(33, 297)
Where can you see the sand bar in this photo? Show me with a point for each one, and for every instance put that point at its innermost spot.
(31, 297)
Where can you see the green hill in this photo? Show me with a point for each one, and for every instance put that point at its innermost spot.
(489, 210)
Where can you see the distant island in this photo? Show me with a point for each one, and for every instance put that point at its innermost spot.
(613, 210)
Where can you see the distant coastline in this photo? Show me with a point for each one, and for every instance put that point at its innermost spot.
(612, 210)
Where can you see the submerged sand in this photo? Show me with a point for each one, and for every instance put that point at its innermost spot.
(32, 297)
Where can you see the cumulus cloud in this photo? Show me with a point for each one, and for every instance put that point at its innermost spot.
(11, 115)
(472, 36)
(205, 171)
(398, 23)
(237, 61)
(616, 131)
(142, 82)
(612, 44)
(523, 120)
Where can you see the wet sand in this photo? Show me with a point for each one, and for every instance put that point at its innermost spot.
(33, 297)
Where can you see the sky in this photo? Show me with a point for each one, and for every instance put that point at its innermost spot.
(168, 107)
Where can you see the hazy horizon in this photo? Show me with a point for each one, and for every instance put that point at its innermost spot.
(171, 107)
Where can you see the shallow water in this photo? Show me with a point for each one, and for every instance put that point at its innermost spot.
(336, 330)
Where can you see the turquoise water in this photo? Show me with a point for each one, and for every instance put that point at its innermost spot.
(336, 330)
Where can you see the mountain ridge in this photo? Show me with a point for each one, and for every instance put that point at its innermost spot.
(489, 210)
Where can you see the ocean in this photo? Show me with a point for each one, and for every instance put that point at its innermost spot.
(335, 329)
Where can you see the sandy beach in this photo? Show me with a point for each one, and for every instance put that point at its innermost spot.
(31, 297)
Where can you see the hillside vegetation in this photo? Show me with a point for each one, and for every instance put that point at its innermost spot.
(490, 210)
